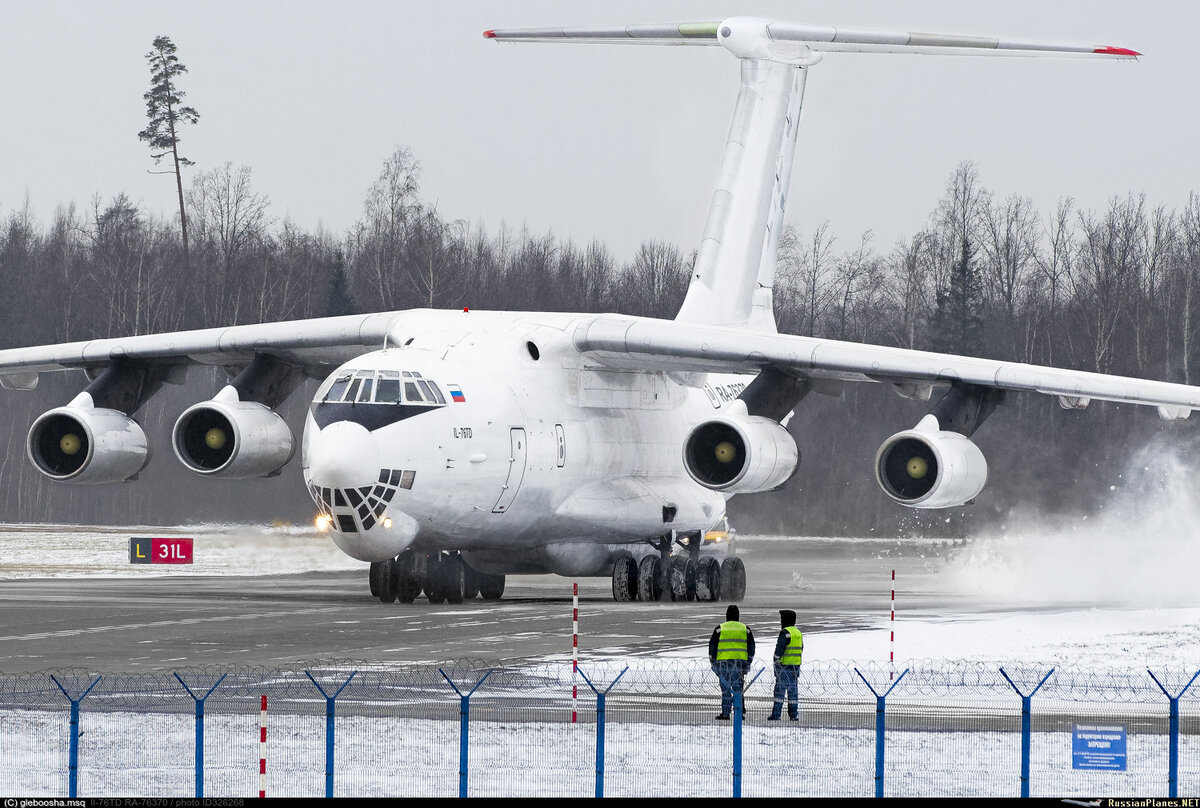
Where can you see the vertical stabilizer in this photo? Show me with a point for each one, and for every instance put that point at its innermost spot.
(735, 266)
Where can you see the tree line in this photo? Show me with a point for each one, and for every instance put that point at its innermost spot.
(1113, 290)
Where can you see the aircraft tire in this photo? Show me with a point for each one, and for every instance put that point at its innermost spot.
(733, 579)
(453, 577)
(491, 586)
(650, 579)
(373, 577)
(387, 581)
(470, 582)
(407, 585)
(435, 588)
(708, 579)
(625, 579)
(683, 578)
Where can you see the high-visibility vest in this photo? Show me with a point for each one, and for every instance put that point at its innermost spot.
(731, 642)
(794, 649)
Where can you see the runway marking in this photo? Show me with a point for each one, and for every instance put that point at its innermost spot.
(190, 621)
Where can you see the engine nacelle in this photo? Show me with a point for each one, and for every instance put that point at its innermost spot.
(740, 455)
(925, 467)
(235, 439)
(87, 445)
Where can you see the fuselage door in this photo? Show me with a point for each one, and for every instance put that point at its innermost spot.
(516, 470)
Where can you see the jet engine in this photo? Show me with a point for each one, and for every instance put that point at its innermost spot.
(926, 467)
(231, 438)
(77, 444)
(740, 455)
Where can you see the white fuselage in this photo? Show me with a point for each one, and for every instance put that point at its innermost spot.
(552, 455)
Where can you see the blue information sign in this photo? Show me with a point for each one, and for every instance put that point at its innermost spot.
(1098, 746)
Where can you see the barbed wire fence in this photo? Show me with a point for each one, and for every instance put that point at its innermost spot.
(481, 728)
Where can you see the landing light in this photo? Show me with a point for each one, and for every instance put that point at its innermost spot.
(387, 522)
(323, 521)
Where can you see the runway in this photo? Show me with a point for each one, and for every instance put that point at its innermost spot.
(286, 597)
(109, 615)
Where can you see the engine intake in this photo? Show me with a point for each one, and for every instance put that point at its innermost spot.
(926, 467)
(234, 439)
(740, 455)
(87, 445)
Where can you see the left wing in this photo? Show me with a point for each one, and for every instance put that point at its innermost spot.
(644, 344)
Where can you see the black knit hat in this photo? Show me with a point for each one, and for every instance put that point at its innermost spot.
(732, 612)
(787, 617)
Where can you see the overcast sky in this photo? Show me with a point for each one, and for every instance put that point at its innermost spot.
(616, 143)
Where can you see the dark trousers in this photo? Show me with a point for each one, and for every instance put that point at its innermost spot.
(785, 685)
(731, 673)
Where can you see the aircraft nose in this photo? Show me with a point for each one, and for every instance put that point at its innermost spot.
(343, 455)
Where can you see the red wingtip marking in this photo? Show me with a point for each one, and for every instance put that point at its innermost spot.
(465, 308)
(489, 34)
(1111, 51)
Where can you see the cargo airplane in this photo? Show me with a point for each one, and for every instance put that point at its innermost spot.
(452, 448)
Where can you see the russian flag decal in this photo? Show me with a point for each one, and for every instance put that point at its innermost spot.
(456, 393)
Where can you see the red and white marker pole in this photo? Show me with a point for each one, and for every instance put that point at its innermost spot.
(574, 651)
(892, 651)
(262, 749)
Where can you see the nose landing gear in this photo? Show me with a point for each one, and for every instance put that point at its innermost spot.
(444, 577)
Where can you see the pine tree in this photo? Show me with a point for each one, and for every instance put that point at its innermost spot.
(339, 300)
(958, 314)
(166, 112)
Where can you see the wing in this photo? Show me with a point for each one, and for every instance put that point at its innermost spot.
(643, 344)
(315, 346)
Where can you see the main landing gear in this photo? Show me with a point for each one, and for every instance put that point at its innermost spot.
(685, 576)
(443, 578)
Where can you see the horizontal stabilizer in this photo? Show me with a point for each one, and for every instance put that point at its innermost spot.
(815, 38)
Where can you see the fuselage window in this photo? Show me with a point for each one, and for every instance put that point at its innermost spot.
(412, 394)
(437, 394)
(352, 393)
(364, 394)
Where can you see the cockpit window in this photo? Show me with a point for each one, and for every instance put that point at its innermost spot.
(382, 387)
(338, 388)
(388, 390)
(431, 392)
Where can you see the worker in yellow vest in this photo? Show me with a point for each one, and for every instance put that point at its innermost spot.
(730, 649)
(788, 650)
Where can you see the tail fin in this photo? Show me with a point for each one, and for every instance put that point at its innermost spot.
(735, 266)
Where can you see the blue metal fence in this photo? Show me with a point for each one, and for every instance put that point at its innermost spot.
(948, 729)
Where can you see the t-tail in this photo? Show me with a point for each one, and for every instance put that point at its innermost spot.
(734, 273)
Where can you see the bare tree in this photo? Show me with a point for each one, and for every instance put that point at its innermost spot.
(378, 242)
(229, 218)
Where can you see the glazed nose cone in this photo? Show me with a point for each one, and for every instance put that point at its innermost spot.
(342, 455)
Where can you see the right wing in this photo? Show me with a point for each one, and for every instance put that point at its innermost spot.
(316, 346)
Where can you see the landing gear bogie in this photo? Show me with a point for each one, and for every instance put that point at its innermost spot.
(442, 577)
